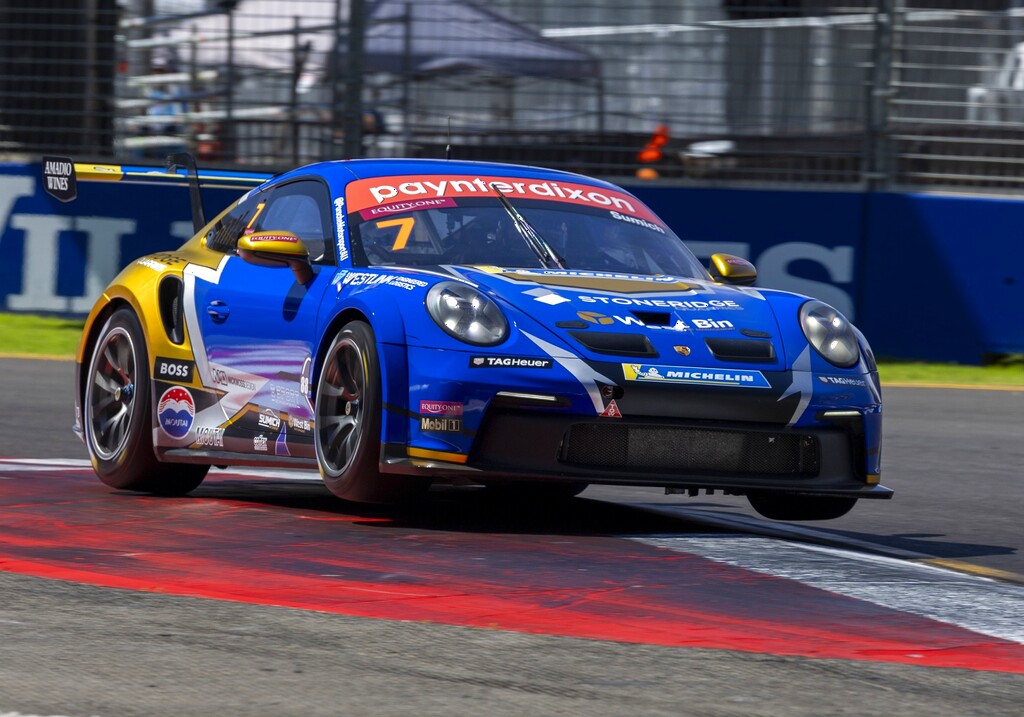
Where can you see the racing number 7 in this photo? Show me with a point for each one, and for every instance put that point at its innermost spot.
(404, 225)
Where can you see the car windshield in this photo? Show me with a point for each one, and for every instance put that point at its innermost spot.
(481, 231)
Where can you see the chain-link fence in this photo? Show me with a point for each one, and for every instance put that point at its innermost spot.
(840, 92)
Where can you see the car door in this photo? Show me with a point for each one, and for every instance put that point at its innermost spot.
(258, 323)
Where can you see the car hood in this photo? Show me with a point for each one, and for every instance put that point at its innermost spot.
(650, 319)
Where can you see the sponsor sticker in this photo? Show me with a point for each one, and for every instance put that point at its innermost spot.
(441, 408)
(509, 362)
(365, 278)
(638, 221)
(210, 436)
(259, 443)
(150, 264)
(59, 178)
(712, 324)
(381, 191)
(285, 238)
(399, 207)
(269, 419)
(299, 424)
(700, 376)
(176, 410)
(440, 424)
(708, 305)
(167, 369)
(842, 381)
(223, 378)
(339, 222)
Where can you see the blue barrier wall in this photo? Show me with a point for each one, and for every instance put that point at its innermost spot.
(924, 276)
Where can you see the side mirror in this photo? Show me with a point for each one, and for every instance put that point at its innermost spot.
(277, 249)
(732, 270)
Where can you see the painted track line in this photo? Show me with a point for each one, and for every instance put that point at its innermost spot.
(974, 603)
(788, 531)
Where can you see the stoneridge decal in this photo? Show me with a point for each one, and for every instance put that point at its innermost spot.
(709, 305)
(701, 376)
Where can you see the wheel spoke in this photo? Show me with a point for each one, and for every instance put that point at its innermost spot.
(329, 389)
(105, 403)
(339, 436)
(107, 383)
(124, 360)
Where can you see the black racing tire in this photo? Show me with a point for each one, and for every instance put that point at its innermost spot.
(348, 422)
(782, 506)
(118, 417)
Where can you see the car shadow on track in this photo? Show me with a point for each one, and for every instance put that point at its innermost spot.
(466, 510)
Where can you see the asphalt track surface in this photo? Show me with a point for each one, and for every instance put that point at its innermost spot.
(625, 634)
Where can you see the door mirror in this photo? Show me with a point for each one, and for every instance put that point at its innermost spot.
(277, 249)
(732, 270)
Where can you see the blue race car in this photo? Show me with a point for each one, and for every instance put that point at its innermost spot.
(397, 323)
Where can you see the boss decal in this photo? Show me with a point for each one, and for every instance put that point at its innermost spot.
(509, 362)
(168, 369)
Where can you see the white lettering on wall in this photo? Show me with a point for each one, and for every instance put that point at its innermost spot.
(39, 271)
(773, 270)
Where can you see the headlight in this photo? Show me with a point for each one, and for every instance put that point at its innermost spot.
(466, 314)
(829, 333)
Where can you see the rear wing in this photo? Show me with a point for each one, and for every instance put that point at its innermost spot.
(61, 176)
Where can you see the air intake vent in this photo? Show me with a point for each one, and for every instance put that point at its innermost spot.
(751, 350)
(614, 343)
(654, 318)
(170, 296)
(691, 450)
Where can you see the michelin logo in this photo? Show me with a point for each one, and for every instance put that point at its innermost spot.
(700, 376)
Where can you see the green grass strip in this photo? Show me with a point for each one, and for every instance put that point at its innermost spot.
(39, 335)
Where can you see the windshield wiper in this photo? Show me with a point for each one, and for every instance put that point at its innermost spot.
(541, 248)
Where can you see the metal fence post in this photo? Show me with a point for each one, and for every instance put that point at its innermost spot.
(877, 161)
(354, 64)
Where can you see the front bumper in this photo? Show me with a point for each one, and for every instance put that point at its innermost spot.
(514, 444)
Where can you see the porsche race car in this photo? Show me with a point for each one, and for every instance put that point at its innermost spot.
(397, 323)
